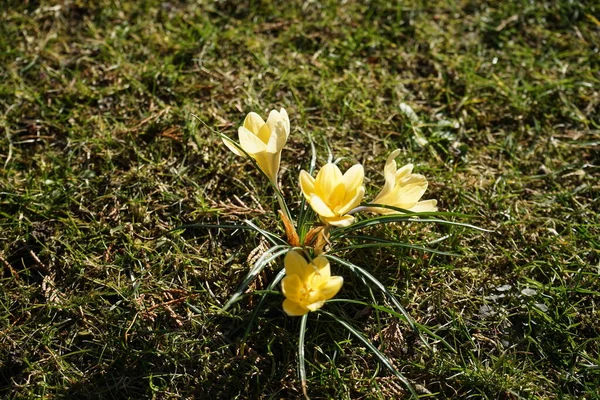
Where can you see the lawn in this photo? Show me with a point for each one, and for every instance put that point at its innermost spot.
(111, 168)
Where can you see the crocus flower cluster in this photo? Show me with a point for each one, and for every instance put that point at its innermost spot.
(334, 196)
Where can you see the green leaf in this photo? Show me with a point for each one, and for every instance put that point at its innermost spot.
(267, 235)
(274, 239)
(263, 294)
(380, 242)
(382, 357)
(412, 217)
(264, 260)
(361, 272)
(301, 361)
(397, 315)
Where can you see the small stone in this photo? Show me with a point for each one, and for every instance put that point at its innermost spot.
(528, 292)
(541, 307)
(503, 288)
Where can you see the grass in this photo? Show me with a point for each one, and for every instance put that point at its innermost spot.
(101, 158)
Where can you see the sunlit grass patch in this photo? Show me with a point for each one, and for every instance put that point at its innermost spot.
(100, 159)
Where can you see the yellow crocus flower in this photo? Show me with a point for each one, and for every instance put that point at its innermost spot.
(306, 286)
(402, 189)
(332, 195)
(263, 141)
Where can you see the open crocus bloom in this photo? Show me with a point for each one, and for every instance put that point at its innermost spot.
(332, 195)
(264, 141)
(402, 189)
(306, 286)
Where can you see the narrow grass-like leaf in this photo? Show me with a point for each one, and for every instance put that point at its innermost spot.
(444, 222)
(386, 219)
(274, 239)
(301, 362)
(405, 212)
(397, 315)
(268, 256)
(382, 357)
(361, 272)
(313, 154)
(264, 292)
(380, 242)
(440, 239)
(263, 295)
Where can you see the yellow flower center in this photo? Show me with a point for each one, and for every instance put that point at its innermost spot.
(306, 292)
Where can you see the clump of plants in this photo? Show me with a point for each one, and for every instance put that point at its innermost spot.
(332, 213)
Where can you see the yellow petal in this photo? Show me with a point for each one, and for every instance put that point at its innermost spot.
(403, 173)
(307, 184)
(336, 197)
(295, 264)
(250, 142)
(269, 163)
(319, 206)
(275, 161)
(316, 305)
(277, 139)
(294, 309)
(353, 202)
(232, 147)
(354, 177)
(389, 173)
(322, 265)
(264, 134)
(273, 119)
(404, 196)
(345, 220)
(291, 286)
(412, 180)
(279, 123)
(285, 120)
(331, 287)
(410, 194)
(327, 179)
(425, 206)
(253, 122)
